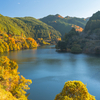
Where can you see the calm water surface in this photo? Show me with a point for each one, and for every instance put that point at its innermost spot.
(49, 71)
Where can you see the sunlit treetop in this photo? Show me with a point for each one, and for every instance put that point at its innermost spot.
(74, 90)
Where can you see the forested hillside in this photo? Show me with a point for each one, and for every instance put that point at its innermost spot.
(87, 41)
(64, 24)
(21, 33)
(28, 26)
(12, 43)
(92, 28)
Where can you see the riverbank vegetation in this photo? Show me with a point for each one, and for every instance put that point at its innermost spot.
(12, 85)
(12, 43)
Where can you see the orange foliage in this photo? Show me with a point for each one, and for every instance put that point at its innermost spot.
(30, 39)
(9, 35)
(1, 37)
(60, 16)
(12, 40)
(22, 34)
(78, 28)
(58, 39)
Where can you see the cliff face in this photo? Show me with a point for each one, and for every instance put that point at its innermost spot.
(87, 41)
(92, 35)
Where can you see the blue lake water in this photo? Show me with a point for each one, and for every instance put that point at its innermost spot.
(49, 70)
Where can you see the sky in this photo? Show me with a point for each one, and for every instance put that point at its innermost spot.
(42, 8)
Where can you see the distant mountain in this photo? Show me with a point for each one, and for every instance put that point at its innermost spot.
(28, 26)
(65, 24)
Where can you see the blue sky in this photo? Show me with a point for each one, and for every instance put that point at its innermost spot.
(42, 8)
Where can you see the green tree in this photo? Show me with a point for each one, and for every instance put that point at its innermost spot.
(76, 48)
(61, 45)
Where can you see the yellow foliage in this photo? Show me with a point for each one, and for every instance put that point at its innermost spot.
(31, 42)
(16, 43)
(5, 95)
(40, 38)
(74, 90)
(3, 46)
(12, 84)
(58, 39)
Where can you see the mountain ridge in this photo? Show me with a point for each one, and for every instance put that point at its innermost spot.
(29, 26)
(64, 24)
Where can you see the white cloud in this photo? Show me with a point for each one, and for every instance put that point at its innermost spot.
(18, 3)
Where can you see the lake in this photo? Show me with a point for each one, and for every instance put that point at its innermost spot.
(49, 70)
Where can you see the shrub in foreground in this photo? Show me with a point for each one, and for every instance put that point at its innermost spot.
(74, 90)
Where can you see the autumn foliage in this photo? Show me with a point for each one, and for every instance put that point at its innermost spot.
(31, 42)
(74, 90)
(12, 86)
(16, 43)
(60, 16)
(78, 28)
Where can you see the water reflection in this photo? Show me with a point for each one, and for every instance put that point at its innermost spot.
(93, 61)
(52, 61)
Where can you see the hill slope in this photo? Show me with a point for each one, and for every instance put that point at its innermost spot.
(64, 25)
(29, 26)
(86, 42)
(92, 28)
